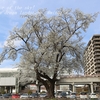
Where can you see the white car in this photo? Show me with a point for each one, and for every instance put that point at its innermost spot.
(73, 95)
(24, 96)
(93, 95)
(83, 95)
(59, 95)
(42, 95)
(1, 96)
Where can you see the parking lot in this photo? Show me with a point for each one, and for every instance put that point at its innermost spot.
(59, 96)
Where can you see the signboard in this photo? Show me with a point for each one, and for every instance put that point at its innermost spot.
(33, 87)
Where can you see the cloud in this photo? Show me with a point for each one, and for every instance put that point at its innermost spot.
(15, 43)
(6, 8)
(7, 64)
(16, 7)
(1, 45)
(6, 3)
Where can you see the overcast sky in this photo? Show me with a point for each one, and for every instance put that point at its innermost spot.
(11, 11)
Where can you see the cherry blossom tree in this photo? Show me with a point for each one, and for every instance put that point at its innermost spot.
(48, 45)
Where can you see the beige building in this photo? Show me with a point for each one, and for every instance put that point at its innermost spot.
(92, 56)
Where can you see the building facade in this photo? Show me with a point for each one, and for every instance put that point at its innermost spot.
(92, 56)
(8, 81)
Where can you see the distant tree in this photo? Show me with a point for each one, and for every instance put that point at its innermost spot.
(48, 45)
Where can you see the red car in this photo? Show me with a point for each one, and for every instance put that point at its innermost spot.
(15, 96)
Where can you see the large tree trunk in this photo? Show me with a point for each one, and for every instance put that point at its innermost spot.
(48, 83)
(50, 89)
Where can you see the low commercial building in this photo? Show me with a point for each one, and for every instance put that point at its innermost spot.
(8, 81)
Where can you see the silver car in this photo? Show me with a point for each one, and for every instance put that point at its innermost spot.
(42, 95)
(24, 96)
(1, 96)
(73, 95)
(93, 95)
(83, 95)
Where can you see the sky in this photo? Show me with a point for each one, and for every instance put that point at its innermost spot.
(11, 11)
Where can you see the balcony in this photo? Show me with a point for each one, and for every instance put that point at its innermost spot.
(95, 38)
(96, 68)
(96, 45)
(97, 61)
(97, 58)
(96, 42)
(97, 53)
(97, 64)
(97, 71)
(96, 49)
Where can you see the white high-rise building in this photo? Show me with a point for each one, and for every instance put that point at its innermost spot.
(92, 56)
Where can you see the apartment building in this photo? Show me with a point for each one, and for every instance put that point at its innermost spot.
(92, 56)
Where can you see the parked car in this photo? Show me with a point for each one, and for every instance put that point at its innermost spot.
(55, 94)
(63, 94)
(15, 96)
(93, 95)
(42, 95)
(59, 95)
(68, 93)
(83, 95)
(73, 95)
(24, 95)
(33, 95)
(1, 96)
(7, 95)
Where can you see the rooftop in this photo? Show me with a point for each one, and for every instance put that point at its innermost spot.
(3, 70)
